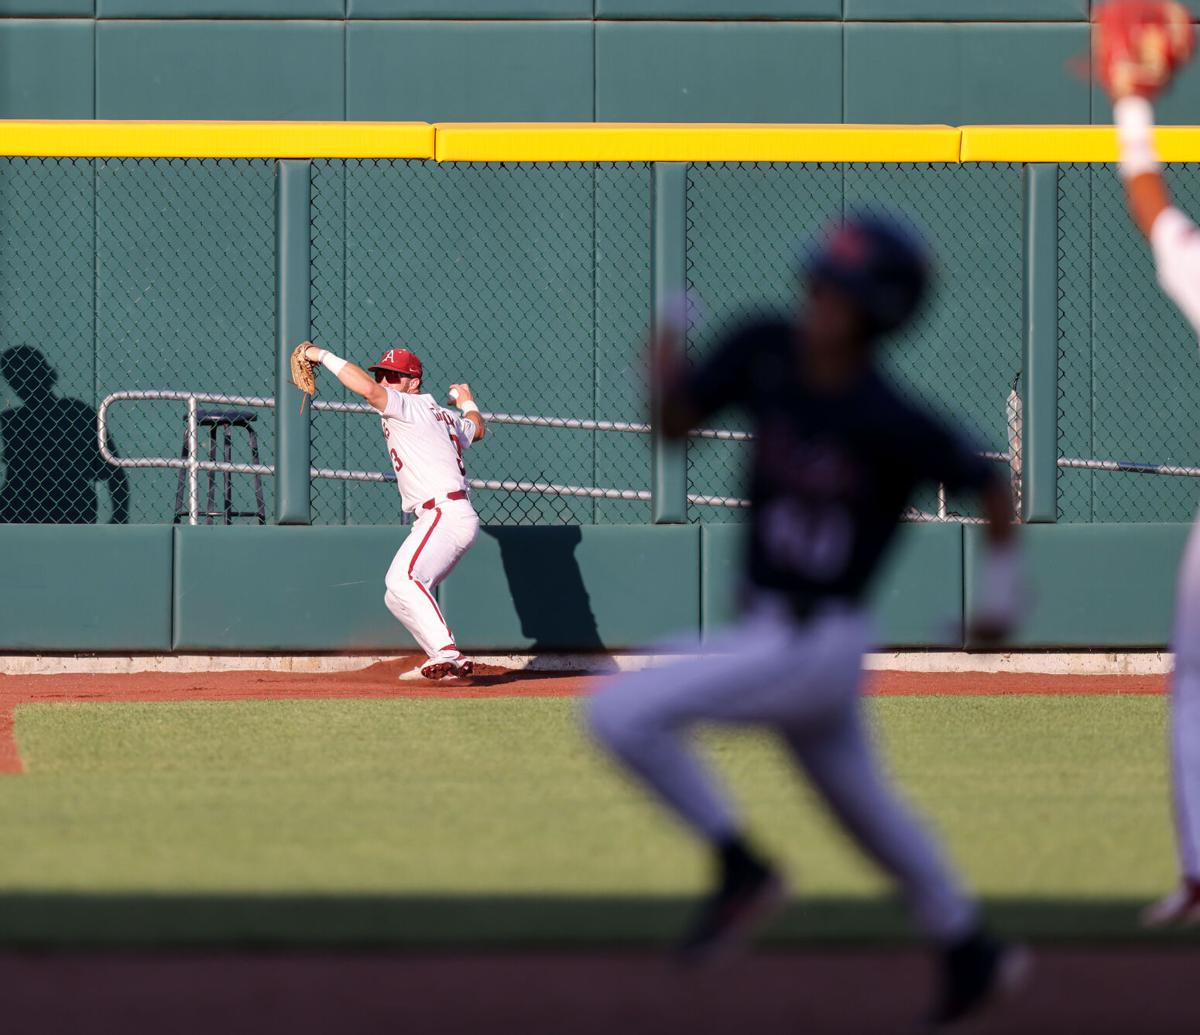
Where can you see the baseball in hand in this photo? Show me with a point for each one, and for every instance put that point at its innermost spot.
(454, 395)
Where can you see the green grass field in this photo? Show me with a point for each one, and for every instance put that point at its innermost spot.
(426, 821)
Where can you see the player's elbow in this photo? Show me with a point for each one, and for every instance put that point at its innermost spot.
(480, 432)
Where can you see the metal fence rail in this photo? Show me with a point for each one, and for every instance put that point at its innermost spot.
(193, 465)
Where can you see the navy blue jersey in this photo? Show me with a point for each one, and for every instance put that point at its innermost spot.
(831, 475)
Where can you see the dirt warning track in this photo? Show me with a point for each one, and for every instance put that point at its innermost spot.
(381, 681)
(1098, 991)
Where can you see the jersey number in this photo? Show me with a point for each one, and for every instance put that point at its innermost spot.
(458, 452)
(397, 463)
(812, 540)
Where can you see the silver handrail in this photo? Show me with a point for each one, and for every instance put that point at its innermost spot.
(194, 465)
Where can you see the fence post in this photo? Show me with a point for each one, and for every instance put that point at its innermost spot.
(1039, 385)
(668, 276)
(293, 500)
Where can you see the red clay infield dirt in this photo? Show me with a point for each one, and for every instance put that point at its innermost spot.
(380, 681)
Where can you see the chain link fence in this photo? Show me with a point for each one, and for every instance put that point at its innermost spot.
(529, 281)
(120, 274)
(749, 225)
(1129, 382)
(532, 282)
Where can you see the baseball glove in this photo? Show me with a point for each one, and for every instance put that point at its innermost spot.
(302, 374)
(1138, 44)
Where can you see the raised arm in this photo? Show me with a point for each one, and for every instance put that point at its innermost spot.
(353, 377)
(1138, 46)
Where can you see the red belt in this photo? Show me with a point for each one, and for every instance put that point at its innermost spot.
(459, 494)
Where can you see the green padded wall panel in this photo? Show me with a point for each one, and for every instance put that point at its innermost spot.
(721, 548)
(575, 588)
(1179, 105)
(47, 8)
(219, 70)
(963, 74)
(731, 9)
(966, 10)
(718, 72)
(103, 588)
(455, 71)
(221, 8)
(245, 589)
(1093, 585)
(46, 69)
(469, 8)
(917, 597)
(918, 594)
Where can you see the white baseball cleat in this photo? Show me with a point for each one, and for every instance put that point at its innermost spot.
(1179, 909)
(440, 669)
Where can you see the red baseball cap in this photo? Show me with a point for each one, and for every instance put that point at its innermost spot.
(399, 361)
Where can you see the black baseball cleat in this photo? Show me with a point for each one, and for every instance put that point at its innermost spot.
(976, 971)
(750, 892)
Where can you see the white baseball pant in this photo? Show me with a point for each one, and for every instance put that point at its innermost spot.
(802, 679)
(1185, 710)
(436, 542)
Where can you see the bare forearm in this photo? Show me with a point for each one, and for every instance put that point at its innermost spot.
(476, 418)
(1148, 196)
(1145, 189)
(357, 380)
(350, 375)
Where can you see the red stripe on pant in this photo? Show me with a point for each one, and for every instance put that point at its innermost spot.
(437, 516)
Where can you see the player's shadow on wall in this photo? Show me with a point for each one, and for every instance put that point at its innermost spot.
(51, 458)
(547, 587)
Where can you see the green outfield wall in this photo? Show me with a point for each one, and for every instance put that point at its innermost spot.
(534, 280)
(920, 61)
(535, 589)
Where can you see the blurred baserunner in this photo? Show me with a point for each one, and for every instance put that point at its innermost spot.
(838, 454)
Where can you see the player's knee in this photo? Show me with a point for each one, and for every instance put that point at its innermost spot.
(397, 603)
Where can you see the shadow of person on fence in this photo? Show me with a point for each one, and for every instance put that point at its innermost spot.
(48, 445)
(547, 588)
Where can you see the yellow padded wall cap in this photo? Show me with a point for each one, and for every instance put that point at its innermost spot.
(134, 139)
(1069, 143)
(692, 142)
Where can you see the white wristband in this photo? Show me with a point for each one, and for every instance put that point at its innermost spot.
(1134, 117)
(334, 364)
(469, 407)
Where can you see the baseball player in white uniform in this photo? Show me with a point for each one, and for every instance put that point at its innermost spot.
(1137, 48)
(425, 444)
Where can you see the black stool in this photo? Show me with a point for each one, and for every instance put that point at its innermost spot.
(215, 421)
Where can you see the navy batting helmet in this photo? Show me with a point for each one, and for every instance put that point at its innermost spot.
(879, 263)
